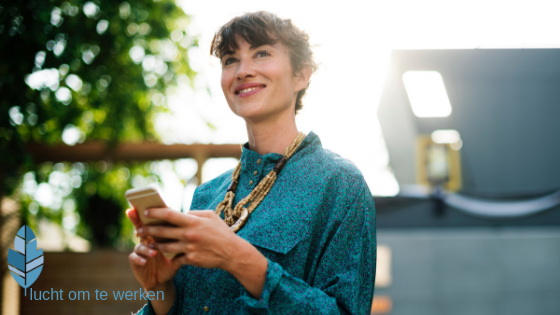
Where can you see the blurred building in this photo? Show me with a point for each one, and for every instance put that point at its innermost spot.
(473, 138)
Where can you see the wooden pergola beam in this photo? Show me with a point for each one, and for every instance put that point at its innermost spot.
(147, 151)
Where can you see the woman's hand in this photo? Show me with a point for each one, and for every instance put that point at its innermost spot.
(153, 270)
(202, 239)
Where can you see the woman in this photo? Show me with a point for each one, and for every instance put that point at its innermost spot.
(292, 228)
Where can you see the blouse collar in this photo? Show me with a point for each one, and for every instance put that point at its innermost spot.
(310, 143)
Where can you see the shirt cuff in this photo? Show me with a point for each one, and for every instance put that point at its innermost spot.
(149, 310)
(273, 276)
(146, 310)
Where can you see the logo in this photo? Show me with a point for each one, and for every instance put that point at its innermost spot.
(26, 262)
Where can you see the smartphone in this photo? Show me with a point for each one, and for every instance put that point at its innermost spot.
(146, 198)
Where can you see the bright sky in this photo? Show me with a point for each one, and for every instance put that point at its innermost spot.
(355, 39)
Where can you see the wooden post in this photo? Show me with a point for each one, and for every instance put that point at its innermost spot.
(2, 249)
(9, 225)
(200, 158)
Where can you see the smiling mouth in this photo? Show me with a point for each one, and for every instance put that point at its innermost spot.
(247, 90)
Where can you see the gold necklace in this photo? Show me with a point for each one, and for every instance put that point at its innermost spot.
(236, 218)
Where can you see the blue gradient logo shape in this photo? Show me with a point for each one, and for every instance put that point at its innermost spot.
(26, 262)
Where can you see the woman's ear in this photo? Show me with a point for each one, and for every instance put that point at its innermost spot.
(302, 78)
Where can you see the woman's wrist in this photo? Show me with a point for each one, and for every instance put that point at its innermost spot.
(165, 305)
(248, 266)
(166, 287)
(238, 252)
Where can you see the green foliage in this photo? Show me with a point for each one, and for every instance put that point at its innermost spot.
(73, 71)
(86, 199)
(95, 66)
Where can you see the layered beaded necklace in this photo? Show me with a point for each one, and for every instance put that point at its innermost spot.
(236, 218)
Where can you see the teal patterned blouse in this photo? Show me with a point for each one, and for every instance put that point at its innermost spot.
(316, 227)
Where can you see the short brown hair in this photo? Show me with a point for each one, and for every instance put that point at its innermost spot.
(265, 28)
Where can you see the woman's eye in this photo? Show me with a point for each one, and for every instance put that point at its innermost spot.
(262, 53)
(229, 61)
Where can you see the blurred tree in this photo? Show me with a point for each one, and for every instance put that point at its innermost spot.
(77, 70)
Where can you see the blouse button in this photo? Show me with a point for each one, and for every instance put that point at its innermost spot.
(259, 161)
(206, 309)
(251, 183)
(255, 173)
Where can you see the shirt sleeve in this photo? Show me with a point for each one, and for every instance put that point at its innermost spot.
(344, 280)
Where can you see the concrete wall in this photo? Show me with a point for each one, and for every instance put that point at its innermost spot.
(474, 271)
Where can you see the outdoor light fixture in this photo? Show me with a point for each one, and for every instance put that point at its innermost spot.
(426, 93)
(446, 136)
(450, 136)
(438, 160)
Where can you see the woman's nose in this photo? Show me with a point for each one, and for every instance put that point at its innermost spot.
(246, 69)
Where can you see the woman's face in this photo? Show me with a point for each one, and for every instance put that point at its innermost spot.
(258, 82)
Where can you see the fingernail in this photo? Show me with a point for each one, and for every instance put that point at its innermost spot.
(142, 260)
(146, 213)
(151, 252)
(140, 230)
